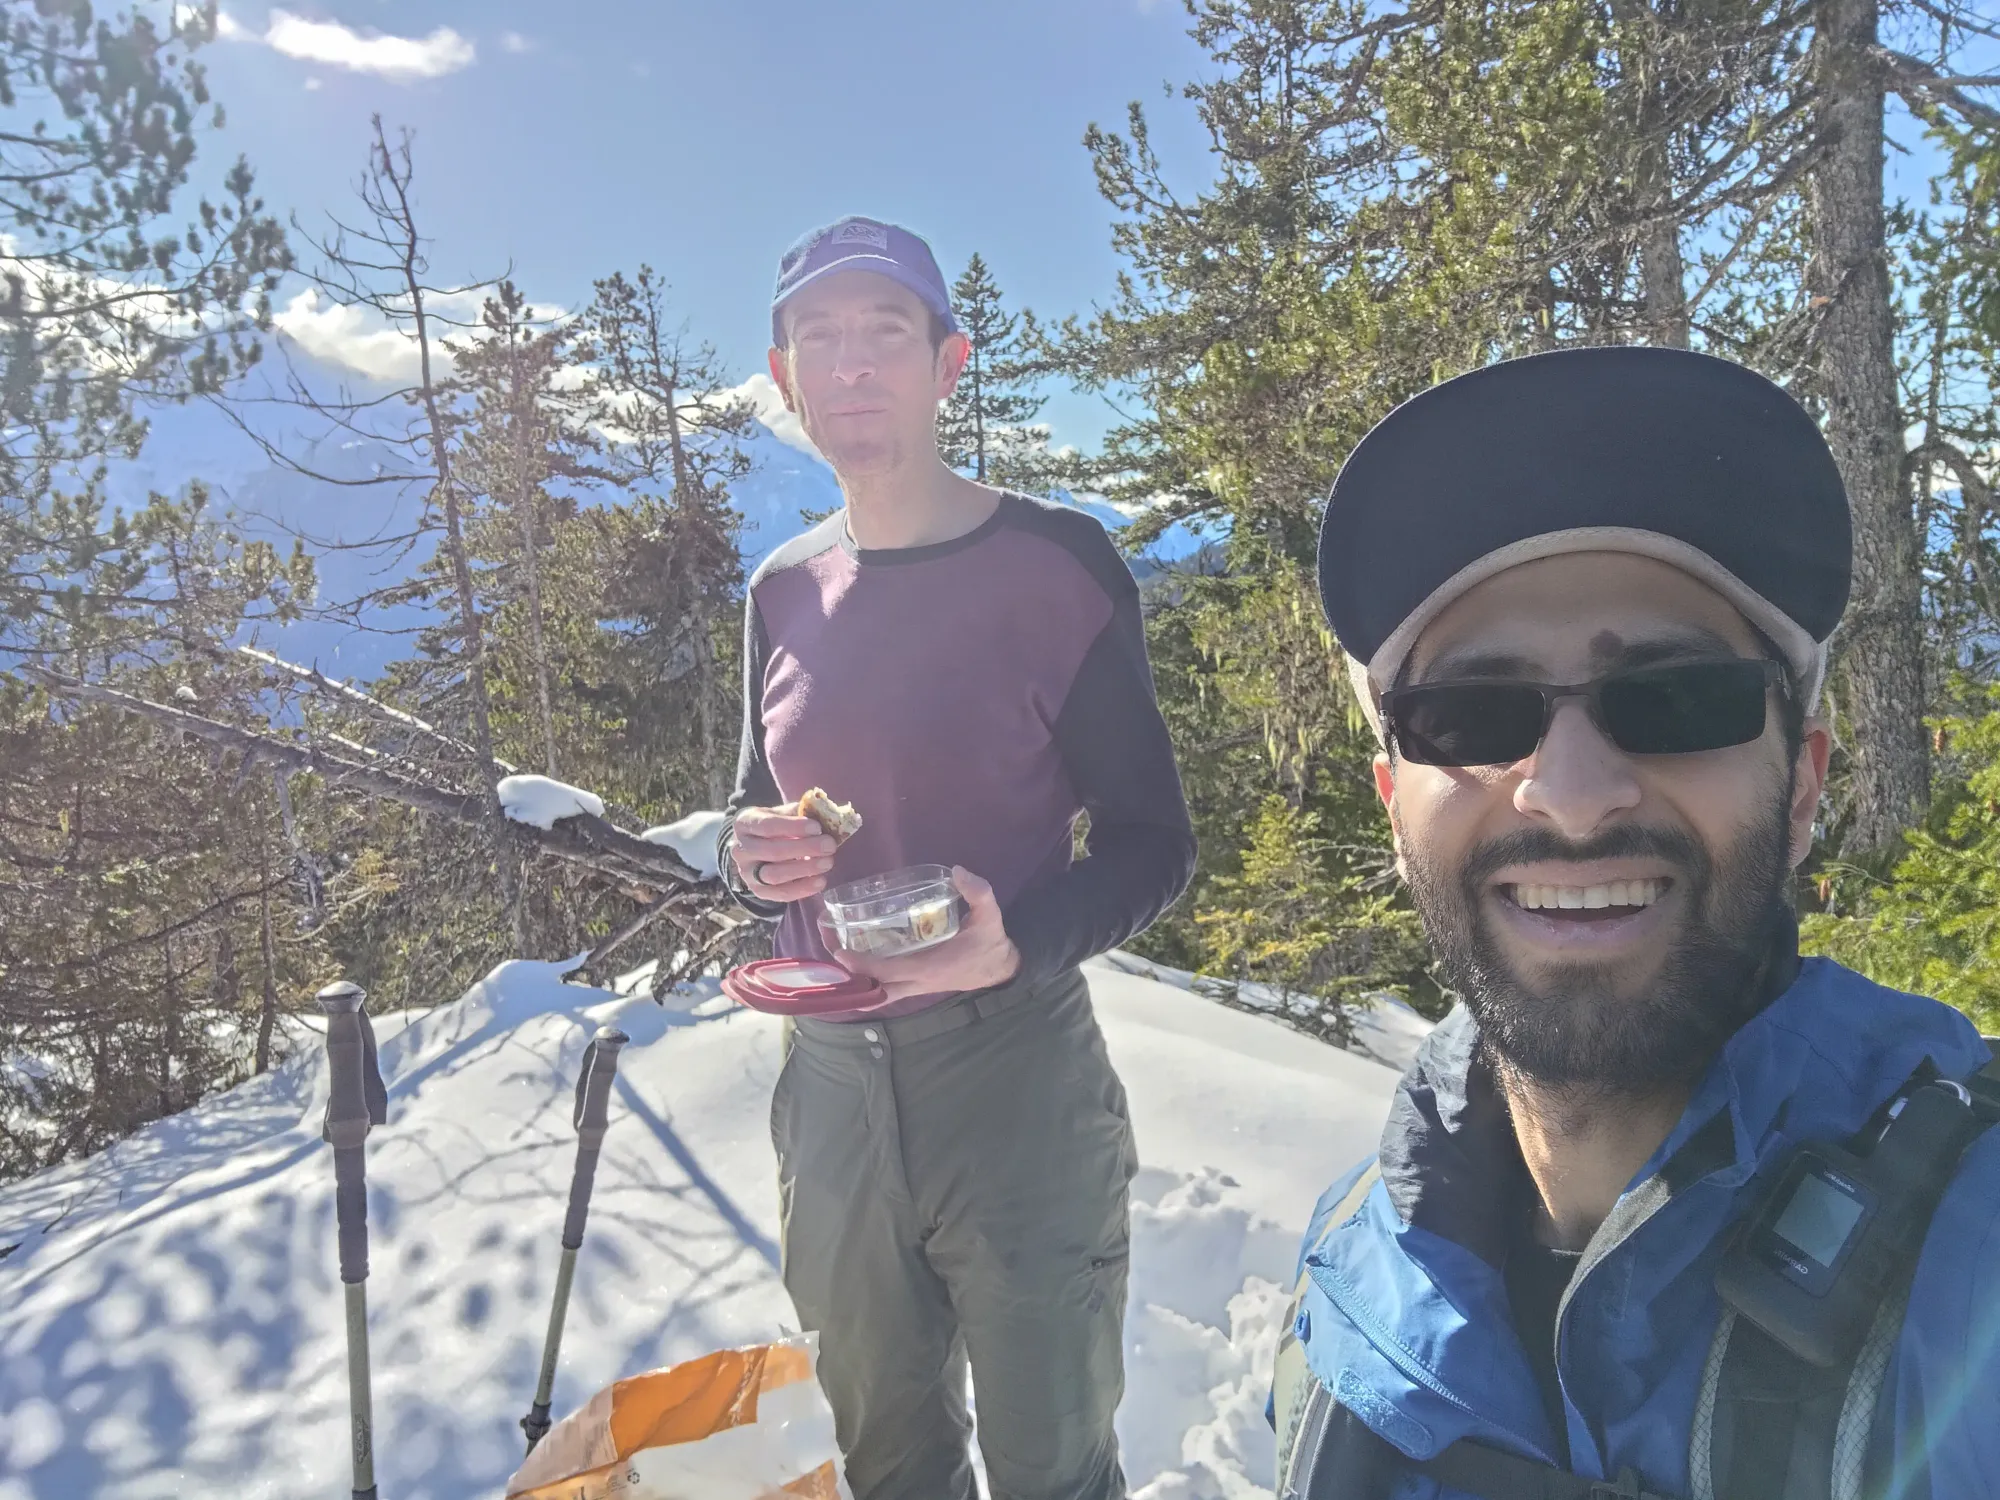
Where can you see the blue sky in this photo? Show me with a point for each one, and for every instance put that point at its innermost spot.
(571, 141)
(702, 136)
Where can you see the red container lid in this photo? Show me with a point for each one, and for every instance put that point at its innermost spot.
(801, 987)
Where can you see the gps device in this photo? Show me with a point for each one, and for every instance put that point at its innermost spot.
(1813, 1263)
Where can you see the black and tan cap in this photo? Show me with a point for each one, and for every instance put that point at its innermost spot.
(1682, 457)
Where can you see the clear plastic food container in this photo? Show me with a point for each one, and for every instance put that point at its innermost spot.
(901, 912)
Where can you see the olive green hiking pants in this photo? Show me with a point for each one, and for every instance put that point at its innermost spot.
(955, 1189)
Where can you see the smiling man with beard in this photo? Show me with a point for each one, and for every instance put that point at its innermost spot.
(1649, 1202)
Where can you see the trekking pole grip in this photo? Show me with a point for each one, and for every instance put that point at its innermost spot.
(355, 1102)
(593, 1101)
(348, 1120)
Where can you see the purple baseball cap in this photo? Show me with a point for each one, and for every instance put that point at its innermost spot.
(857, 244)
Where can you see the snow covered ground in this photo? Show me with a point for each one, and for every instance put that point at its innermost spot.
(1388, 1030)
(170, 1312)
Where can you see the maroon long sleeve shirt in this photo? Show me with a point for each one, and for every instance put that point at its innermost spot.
(970, 699)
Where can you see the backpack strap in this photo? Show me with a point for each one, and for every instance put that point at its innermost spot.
(1984, 1086)
(1494, 1474)
(1291, 1380)
(1353, 1463)
(1769, 1425)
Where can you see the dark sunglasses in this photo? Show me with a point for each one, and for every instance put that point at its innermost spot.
(1674, 710)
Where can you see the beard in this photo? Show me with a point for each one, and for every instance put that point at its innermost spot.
(1600, 1028)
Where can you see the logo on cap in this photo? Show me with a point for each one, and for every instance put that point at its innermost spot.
(855, 232)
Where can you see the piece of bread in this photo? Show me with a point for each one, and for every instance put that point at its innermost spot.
(837, 818)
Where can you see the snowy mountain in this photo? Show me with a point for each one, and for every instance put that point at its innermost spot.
(352, 524)
(170, 1311)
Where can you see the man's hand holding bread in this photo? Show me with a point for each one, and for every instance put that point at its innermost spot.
(784, 853)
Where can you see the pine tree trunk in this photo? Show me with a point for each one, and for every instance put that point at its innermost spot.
(1662, 269)
(170, 1031)
(537, 642)
(267, 1018)
(527, 501)
(978, 418)
(1848, 279)
(706, 717)
(704, 647)
(473, 636)
(399, 226)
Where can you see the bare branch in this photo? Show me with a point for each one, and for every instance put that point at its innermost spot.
(1923, 87)
(581, 839)
(629, 929)
(347, 693)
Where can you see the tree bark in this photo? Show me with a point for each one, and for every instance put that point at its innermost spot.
(706, 713)
(267, 1015)
(401, 217)
(527, 505)
(1662, 268)
(1848, 281)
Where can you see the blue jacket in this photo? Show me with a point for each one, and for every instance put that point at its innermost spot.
(1406, 1321)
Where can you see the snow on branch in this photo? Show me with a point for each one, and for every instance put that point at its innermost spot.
(542, 801)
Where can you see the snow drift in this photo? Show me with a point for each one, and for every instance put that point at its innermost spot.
(170, 1310)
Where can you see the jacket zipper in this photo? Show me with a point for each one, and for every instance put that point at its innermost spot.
(1646, 1200)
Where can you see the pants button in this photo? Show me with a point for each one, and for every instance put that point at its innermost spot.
(876, 1050)
(872, 1034)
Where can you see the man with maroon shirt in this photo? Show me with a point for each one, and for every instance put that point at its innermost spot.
(967, 667)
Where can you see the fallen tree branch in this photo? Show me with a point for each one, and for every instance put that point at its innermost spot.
(580, 839)
(628, 930)
(698, 956)
(348, 693)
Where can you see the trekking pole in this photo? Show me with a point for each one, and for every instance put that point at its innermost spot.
(593, 1097)
(356, 1101)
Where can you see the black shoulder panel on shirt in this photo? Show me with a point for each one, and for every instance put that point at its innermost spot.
(802, 548)
(1079, 533)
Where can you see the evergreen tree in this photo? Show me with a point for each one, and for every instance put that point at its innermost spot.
(134, 972)
(1400, 196)
(674, 577)
(987, 427)
(524, 445)
(110, 302)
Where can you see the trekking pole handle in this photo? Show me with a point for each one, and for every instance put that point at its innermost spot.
(593, 1102)
(355, 1100)
(347, 1121)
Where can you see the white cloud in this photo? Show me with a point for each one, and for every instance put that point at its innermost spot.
(513, 41)
(376, 349)
(349, 338)
(766, 402)
(361, 51)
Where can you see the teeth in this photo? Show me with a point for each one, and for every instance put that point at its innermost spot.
(1592, 897)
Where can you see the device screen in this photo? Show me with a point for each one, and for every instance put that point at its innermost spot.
(1818, 1219)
